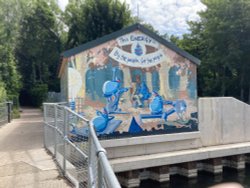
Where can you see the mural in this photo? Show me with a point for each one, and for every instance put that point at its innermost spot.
(134, 86)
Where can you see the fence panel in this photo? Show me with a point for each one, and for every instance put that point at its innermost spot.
(5, 112)
(73, 142)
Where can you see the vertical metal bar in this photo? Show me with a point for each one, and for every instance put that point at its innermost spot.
(89, 160)
(44, 124)
(65, 124)
(99, 173)
(108, 172)
(55, 135)
(9, 111)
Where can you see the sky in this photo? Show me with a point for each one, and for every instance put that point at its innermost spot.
(166, 16)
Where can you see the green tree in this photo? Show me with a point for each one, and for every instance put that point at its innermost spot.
(2, 92)
(8, 72)
(221, 40)
(38, 50)
(91, 19)
(9, 18)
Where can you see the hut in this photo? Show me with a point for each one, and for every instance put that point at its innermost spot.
(132, 82)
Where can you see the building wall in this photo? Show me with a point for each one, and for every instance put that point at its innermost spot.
(64, 85)
(127, 80)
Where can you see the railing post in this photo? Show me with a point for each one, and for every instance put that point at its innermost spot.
(9, 111)
(65, 132)
(44, 125)
(55, 135)
(100, 173)
(91, 182)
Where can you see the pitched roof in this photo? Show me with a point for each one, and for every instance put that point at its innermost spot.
(124, 31)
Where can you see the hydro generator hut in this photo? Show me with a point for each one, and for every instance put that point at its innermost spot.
(131, 83)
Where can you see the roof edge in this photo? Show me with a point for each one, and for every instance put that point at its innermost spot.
(124, 31)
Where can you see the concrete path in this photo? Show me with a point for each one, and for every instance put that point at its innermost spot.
(23, 160)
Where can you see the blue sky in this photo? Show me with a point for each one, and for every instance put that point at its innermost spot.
(167, 16)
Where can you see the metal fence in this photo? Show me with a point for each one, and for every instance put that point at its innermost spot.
(80, 157)
(5, 112)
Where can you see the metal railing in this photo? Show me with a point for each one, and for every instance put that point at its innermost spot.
(81, 158)
(5, 112)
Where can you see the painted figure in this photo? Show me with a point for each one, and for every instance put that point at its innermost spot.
(113, 91)
(90, 81)
(191, 86)
(174, 80)
(140, 94)
(104, 123)
(157, 108)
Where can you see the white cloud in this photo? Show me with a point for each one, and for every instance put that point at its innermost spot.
(166, 16)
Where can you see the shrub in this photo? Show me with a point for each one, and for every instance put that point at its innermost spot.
(2, 92)
(38, 94)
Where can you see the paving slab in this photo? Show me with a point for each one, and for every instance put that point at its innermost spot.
(23, 160)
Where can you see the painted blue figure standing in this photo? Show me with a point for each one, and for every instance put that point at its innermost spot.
(113, 91)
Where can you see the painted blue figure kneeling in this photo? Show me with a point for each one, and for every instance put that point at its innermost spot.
(157, 108)
(105, 124)
(101, 121)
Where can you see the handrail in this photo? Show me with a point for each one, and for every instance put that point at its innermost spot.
(100, 172)
(111, 179)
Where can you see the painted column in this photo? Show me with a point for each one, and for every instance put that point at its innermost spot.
(163, 74)
(81, 61)
(149, 81)
(127, 80)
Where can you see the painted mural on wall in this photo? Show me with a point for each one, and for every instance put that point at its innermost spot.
(135, 86)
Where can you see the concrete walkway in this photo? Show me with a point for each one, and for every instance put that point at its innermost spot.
(23, 160)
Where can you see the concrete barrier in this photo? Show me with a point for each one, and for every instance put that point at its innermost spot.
(223, 120)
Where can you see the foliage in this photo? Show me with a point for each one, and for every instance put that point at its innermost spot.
(9, 17)
(8, 71)
(2, 92)
(31, 36)
(15, 113)
(91, 19)
(221, 40)
(38, 50)
(38, 94)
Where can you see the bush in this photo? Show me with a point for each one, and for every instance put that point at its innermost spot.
(15, 113)
(38, 94)
(2, 92)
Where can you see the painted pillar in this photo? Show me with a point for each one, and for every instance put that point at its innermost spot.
(163, 74)
(149, 81)
(127, 80)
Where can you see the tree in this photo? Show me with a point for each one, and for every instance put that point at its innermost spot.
(2, 92)
(91, 19)
(8, 72)
(9, 76)
(221, 40)
(38, 50)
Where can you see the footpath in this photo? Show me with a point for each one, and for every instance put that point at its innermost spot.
(23, 160)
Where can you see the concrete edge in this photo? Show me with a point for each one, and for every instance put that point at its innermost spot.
(150, 139)
(146, 161)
